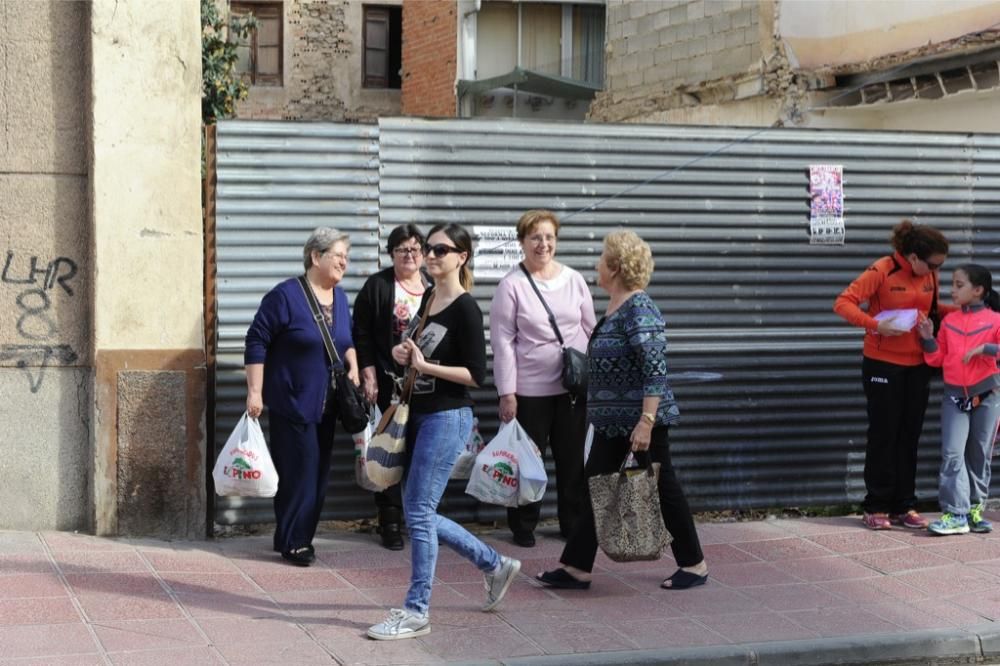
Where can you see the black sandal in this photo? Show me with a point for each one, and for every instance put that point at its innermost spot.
(683, 580)
(563, 580)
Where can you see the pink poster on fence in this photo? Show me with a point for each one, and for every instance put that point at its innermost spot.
(826, 206)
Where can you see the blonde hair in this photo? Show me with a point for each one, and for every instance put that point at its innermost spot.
(533, 218)
(630, 256)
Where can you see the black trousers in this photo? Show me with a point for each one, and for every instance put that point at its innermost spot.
(606, 456)
(301, 454)
(553, 422)
(897, 399)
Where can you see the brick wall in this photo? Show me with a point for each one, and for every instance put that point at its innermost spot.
(655, 47)
(429, 53)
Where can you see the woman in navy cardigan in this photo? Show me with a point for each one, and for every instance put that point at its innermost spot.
(288, 370)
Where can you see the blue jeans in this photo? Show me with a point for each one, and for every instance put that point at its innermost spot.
(433, 443)
(966, 445)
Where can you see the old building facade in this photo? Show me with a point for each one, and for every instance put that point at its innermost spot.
(833, 63)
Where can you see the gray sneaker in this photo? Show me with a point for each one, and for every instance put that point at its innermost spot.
(401, 623)
(498, 583)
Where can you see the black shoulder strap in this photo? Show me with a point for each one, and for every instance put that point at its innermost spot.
(933, 311)
(552, 317)
(320, 321)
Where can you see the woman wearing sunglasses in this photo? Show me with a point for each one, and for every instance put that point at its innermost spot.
(894, 375)
(449, 357)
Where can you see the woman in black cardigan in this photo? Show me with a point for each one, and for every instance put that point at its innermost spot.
(382, 310)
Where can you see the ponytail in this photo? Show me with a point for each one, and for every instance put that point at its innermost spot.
(992, 300)
(979, 276)
(465, 277)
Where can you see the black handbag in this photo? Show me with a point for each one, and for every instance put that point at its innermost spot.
(574, 371)
(352, 408)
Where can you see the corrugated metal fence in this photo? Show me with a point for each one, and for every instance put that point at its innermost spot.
(746, 298)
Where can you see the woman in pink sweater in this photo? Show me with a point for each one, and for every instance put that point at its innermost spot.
(966, 350)
(527, 363)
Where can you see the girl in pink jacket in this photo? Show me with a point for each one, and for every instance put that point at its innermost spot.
(966, 349)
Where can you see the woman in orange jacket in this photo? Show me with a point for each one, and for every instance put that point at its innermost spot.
(894, 375)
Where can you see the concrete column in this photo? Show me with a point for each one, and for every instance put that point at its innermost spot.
(145, 204)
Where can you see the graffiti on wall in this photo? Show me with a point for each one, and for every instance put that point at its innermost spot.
(35, 284)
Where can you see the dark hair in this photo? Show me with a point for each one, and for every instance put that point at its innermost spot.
(919, 239)
(979, 276)
(402, 233)
(463, 241)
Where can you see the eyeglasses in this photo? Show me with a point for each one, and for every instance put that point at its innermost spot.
(538, 239)
(440, 250)
(411, 251)
(342, 256)
(931, 265)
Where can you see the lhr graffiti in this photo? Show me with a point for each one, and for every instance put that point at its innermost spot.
(36, 279)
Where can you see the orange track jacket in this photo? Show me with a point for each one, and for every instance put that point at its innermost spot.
(889, 284)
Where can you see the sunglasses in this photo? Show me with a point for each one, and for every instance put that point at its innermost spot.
(440, 250)
(931, 265)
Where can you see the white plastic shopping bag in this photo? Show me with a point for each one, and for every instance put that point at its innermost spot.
(361, 442)
(467, 458)
(509, 471)
(244, 467)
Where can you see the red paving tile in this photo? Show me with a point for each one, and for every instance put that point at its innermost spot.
(31, 585)
(800, 596)
(248, 633)
(651, 634)
(302, 652)
(224, 604)
(193, 656)
(841, 621)
(473, 644)
(46, 640)
(856, 541)
(148, 634)
(968, 550)
(873, 590)
(752, 573)
(25, 563)
(233, 601)
(756, 627)
(189, 562)
(102, 607)
(901, 559)
(89, 561)
(816, 569)
(44, 610)
(782, 549)
(944, 581)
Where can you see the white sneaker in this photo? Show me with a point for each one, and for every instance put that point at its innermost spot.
(401, 623)
(497, 584)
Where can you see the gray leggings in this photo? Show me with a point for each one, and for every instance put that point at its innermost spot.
(966, 448)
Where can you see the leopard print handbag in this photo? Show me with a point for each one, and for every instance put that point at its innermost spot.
(627, 513)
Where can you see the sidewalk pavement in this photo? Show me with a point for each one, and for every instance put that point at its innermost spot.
(781, 591)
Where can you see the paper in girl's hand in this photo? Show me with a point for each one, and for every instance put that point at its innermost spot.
(905, 318)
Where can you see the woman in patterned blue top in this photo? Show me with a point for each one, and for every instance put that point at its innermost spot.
(631, 406)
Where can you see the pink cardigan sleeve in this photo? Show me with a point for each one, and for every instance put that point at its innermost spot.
(503, 332)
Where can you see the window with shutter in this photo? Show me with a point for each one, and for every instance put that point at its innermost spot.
(383, 47)
(260, 53)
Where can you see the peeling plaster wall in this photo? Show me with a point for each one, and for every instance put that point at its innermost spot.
(322, 62)
(835, 33)
(803, 44)
(45, 267)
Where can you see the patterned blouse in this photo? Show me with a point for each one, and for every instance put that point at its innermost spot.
(628, 360)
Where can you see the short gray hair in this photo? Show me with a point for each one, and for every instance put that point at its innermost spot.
(321, 240)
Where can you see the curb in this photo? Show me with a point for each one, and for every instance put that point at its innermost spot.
(975, 643)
